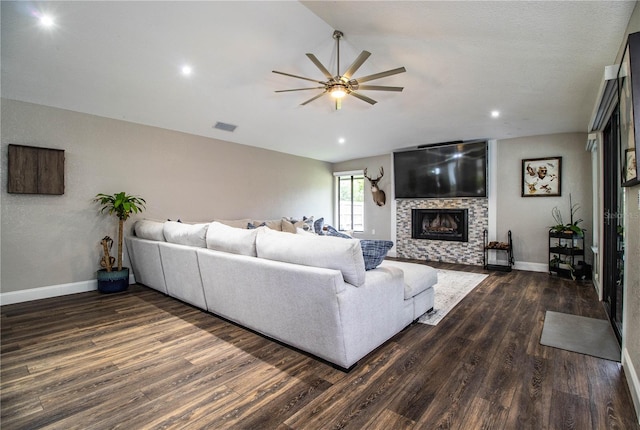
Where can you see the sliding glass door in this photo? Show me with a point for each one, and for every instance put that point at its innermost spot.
(613, 228)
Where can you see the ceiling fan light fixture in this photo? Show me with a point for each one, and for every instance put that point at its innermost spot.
(339, 85)
(338, 92)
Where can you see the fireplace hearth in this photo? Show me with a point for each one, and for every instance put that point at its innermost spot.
(440, 224)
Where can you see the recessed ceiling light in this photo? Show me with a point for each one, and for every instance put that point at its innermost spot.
(46, 21)
(186, 70)
(341, 140)
(495, 113)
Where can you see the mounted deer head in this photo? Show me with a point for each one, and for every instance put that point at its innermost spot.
(378, 195)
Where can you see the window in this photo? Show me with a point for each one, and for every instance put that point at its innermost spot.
(350, 201)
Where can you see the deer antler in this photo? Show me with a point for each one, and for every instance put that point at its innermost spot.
(376, 179)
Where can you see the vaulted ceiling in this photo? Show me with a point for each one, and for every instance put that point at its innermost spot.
(539, 63)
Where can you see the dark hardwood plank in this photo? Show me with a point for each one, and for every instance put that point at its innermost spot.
(570, 411)
(145, 360)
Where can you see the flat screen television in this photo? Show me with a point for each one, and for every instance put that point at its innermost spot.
(440, 171)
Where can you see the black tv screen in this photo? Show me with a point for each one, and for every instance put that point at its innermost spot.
(448, 170)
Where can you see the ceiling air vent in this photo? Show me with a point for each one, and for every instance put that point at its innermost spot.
(224, 126)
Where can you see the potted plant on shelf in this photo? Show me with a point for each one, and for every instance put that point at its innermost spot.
(570, 228)
(112, 280)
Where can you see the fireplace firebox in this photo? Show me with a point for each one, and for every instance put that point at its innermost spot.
(440, 224)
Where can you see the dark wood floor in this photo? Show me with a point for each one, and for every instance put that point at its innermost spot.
(143, 360)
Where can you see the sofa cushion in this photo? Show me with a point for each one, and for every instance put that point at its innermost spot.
(311, 250)
(221, 237)
(417, 277)
(149, 229)
(374, 252)
(185, 234)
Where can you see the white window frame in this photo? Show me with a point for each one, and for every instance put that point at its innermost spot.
(338, 175)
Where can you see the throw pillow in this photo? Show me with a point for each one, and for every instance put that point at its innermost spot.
(251, 225)
(318, 225)
(374, 252)
(291, 225)
(333, 232)
(273, 224)
(307, 224)
(287, 226)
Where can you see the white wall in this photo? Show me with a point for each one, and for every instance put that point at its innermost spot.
(54, 240)
(529, 218)
(376, 218)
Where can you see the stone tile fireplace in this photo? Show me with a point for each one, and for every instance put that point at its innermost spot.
(443, 239)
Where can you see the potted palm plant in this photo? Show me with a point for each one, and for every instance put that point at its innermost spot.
(122, 205)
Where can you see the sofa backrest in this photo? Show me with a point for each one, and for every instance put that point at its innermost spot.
(317, 251)
(221, 237)
(185, 234)
(149, 229)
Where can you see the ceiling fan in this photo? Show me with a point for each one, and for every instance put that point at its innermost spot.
(341, 85)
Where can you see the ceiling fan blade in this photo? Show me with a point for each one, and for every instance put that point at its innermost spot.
(319, 65)
(299, 77)
(356, 64)
(300, 89)
(379, 88)
(363, 98)
(381, 74)
(313, 98)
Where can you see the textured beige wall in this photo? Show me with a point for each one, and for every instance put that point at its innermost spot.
(529, 218)
(52, 240)
(631, 311)
(376, 217)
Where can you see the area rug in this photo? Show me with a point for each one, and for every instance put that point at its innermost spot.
(574, 333)
(451, 288)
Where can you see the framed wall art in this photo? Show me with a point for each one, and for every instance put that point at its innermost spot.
(630, 165)
(541, 177)
(35, 170)
(629, 111)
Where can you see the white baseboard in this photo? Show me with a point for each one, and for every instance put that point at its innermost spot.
(632, 381)
(531, 267)
(20, 296)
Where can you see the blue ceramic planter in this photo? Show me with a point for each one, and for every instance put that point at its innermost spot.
(115, 281)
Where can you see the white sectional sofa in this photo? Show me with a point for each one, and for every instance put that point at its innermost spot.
(310, 292)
